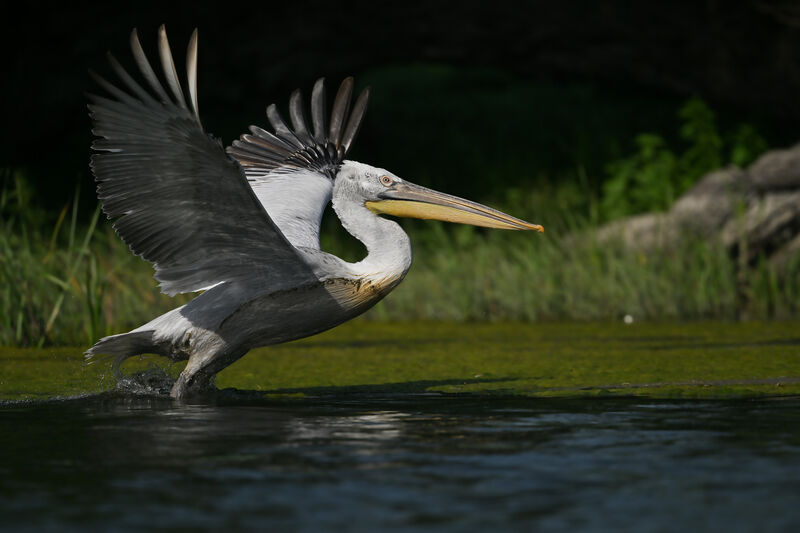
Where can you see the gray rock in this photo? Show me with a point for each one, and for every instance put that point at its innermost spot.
(642, 232)
(776, 170)
(770, 222)
(706, 207)
(754, 211)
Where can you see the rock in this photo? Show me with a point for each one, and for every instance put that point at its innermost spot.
(770, 222)
(776, 170)
(706, 207)
(639, 231)
(754, 211)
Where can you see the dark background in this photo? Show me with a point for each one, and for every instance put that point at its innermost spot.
(469, 96)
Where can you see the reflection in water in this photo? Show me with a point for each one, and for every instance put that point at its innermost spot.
(436, 464)
(376, 427)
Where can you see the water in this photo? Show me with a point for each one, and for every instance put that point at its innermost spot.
(400, 462)
(432, 427)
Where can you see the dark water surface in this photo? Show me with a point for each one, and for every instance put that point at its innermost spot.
(114, 462)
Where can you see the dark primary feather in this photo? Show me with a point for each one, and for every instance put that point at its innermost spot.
(298, 119)
(177, 199)
(296, 148)
(191, 72)
(168, 65)
(354, 123)
(318, 112)
(145, 68)
(341, 105)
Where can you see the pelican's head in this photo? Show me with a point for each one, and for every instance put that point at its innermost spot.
(384, 193)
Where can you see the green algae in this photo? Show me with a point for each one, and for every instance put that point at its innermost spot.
(694, 360)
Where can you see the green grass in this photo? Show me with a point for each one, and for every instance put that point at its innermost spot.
(480, 276)
(68, 283)
(68, 280)
(697, 360)
(74, 282)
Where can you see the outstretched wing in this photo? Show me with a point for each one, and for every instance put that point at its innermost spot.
(176, 198)
(292, 170)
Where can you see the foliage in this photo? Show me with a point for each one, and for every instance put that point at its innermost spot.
(746, 144)
(655, 175)
(493, 276)
(69, 281)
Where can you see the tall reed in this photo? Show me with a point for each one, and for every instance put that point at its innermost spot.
(71, 281)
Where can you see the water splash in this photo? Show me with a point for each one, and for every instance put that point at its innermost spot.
(153, 380)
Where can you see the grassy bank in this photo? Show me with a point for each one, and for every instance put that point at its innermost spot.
(498, 277)
(73, 282)
(69, 282)
(66, 279)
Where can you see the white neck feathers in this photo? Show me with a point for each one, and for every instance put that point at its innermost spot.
(388, 247)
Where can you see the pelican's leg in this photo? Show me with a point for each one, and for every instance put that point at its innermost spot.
(196, 378)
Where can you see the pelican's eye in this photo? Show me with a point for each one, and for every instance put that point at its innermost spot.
(386, 180)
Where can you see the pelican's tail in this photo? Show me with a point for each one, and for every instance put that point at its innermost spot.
(122, 346)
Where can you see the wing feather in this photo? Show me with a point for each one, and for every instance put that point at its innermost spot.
(294, 168)
(175, 197)
(298, 119)
(168, 65)
(191, 72)
(353, 125)
(281, 129)
(145, 68)
(318, 112)
(129, 82)
(275, 141)
(341, 105)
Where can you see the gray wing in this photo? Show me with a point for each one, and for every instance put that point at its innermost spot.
(291, 171)
(176, 198)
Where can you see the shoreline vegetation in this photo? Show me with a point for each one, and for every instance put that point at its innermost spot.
(73, 283)
(68, 280)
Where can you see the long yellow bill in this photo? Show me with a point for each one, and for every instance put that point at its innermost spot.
(413, 201)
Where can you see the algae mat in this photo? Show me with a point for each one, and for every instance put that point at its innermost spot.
(695, 360)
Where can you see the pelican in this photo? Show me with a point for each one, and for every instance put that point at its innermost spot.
(240, 226)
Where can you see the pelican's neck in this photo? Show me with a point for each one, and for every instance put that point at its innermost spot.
(388, 246)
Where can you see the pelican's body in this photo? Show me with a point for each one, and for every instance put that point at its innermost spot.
(225, 322)
(243, 228)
